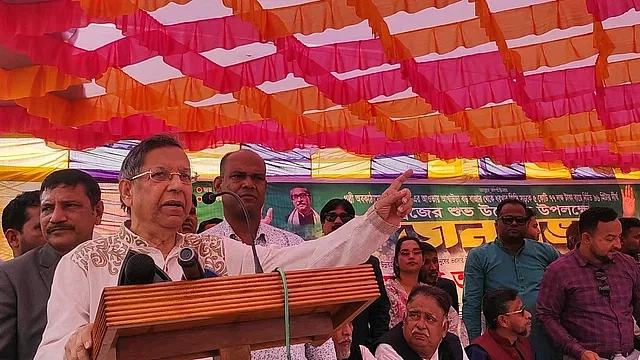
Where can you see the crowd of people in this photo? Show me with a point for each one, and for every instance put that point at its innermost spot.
(522, 299)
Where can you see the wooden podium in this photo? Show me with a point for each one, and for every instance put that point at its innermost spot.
(228, 316)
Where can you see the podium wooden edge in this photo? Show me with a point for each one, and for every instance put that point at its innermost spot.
(321, 325)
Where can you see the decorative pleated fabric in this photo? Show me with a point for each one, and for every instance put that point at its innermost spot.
(482, 86)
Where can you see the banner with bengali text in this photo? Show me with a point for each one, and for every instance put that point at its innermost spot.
(453, 218)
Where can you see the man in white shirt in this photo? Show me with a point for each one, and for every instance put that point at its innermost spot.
(155, 189)
(423, 334)
(245, 173)
(303, 213)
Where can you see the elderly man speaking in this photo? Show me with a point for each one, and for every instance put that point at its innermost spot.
(155, 189)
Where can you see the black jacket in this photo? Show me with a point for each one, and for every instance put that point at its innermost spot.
(25, 286)
(450, 287)
(449, 349)
(373, 322)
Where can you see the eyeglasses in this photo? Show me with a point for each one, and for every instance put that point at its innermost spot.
(300, 196)
(164, 175)
(332, 216)
(508, 220)
(416, 252)
(517, 312)
(603, 287)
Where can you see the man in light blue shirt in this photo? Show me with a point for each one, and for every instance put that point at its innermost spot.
(511, 261)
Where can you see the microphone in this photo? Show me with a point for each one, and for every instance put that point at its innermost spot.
(188, 260)
(210, 198)
(140, 269)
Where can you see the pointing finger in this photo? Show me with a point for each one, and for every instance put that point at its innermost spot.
(397, 183)
(405, 203)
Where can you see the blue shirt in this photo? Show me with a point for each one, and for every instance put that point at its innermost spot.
(490, 267)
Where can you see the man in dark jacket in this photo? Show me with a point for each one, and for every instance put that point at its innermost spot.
(70, 208)
(21, 223)
(370, 324)
(423, 334)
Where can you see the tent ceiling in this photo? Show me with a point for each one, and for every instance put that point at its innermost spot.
(512, 80)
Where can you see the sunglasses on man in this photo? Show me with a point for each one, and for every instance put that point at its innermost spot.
(517, 312)
(603, 287)
(508, 220)
(332, 216)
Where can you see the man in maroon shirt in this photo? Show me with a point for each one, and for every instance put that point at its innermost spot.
(509, 325)
(589, 297)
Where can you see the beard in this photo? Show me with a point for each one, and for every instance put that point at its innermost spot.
(509, 237)
(343, 351)
(603, 258)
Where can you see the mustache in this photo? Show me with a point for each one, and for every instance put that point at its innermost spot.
(53, 228)
(345, 340)
(420, 332)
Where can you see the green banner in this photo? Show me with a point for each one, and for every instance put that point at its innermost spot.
(453, 218)
(438, 202)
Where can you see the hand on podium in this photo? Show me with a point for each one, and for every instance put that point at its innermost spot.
(79, 345)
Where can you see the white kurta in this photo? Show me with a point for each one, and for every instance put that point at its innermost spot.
(83, 273)
(270, 235)
(386, 352)
(366, 354)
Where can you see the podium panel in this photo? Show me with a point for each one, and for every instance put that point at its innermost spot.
(228, 316)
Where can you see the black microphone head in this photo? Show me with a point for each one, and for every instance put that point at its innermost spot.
(209, 198)
(187, 257)
(140, 270)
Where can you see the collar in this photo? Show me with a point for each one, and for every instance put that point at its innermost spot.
(126, 235)
(582, 261)
(49, 256)
(501, 246)
(259, 240)
(500, 340)
(262, 227)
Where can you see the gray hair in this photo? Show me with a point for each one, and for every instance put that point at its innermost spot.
(132, 164)
(442, 298)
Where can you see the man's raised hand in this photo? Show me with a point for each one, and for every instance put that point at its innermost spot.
(395, 203)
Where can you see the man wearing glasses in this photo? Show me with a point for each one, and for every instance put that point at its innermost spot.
(589, 298)
(373, 322)
(155, 189)
(303, 213)
(508, 326)
(423, 334)
(511, 261)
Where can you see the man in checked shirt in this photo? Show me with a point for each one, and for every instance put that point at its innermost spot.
(244, 173)
(588, 298)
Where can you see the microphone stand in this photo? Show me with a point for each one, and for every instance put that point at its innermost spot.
(256, 260)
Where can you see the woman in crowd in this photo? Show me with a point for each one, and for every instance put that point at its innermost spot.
(407, 261)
